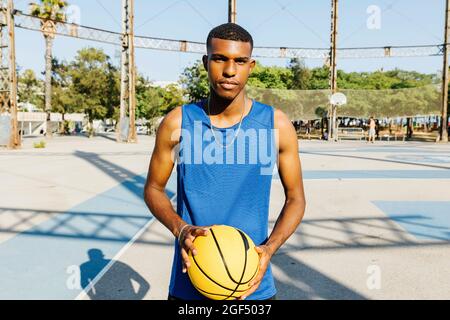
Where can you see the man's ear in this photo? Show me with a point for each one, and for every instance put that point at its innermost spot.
(205, 62)
(252, 65)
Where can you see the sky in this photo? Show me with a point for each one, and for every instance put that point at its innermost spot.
(279, 23)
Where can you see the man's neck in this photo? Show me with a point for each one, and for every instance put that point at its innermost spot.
(223, 109)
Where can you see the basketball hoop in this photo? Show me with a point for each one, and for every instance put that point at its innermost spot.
(338, 99)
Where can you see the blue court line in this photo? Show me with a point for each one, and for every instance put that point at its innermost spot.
(378, 174)
(34, 263)
(379, 150)
(428, 220)
(374, 174)
(422, 158)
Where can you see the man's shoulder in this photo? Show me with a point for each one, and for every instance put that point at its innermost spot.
(172, 120)
(172, 123)
(170, 126)
(281, 119)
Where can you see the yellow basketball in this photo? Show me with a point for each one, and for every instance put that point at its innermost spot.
(225, 263)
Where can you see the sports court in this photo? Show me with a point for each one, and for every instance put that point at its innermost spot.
(376, 225)
(84, 86)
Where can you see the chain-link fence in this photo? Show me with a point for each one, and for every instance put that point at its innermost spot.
(386, 103)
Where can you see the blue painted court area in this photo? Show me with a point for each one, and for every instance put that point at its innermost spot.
(427, 220)
(39, 263)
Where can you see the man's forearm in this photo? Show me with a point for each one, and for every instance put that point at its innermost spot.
(290, 218)
(159, 204)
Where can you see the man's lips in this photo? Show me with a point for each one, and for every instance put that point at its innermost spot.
(228, 85)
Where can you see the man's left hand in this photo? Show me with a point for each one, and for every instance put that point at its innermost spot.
(264, 259)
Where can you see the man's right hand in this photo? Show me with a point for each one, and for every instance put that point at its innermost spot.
(186, 242)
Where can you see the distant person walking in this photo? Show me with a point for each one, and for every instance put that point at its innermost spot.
(308, 130)
(372, 130)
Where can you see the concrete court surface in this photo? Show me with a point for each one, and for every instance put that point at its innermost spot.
(377, 224)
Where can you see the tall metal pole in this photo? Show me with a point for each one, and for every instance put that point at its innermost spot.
(4, 66)
(332, 134)
(124, 74)
(128, 78)
(232, 11)
(14, 141)
(8, 76)
(444, 120)
(132, 137)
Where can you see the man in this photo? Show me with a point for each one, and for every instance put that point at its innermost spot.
(220, 180)
(372, 131)
(308, 130)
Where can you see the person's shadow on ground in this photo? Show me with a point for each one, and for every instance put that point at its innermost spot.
(116, 283)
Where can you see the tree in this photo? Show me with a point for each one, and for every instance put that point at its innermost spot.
(148, 99)
(153, 102)
(195, 82)
(320, 78)
(301, 75)
(172, 98)
(270, 77)
(30, 89)
(94, 85)
(50, 12)
(64, 99)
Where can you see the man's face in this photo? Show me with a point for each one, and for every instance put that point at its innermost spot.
(229, 65)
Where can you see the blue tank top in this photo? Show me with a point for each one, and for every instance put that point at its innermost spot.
(225, 182)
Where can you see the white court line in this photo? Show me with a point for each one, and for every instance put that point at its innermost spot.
(116, 258)
(83, 294)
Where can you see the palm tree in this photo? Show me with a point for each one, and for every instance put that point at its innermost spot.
(50, 12)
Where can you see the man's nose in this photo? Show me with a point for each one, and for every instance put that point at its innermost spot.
(230, 69)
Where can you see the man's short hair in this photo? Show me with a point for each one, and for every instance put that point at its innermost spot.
(229, 31)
